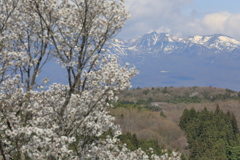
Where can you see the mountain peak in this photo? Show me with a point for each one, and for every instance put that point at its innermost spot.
(154, 32)
(167, 43)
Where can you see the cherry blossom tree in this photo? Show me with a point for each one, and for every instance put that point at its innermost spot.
(61, 121)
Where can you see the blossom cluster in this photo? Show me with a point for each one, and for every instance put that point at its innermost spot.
(61, 121)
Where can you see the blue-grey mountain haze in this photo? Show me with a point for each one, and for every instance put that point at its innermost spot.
(166, 60)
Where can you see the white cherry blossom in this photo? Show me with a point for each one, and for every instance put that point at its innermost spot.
(61, 121)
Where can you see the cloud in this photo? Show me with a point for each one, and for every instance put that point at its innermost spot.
(214, 23)
(168, 16)
(222, 22)
(149, 15)
(164, 71)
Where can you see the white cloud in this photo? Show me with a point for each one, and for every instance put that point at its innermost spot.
(214, 23)
(167, 16)
(148, 15)
(222, 22)
(164, 71)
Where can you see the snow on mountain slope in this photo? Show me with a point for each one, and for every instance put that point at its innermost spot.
(168, 60)
(157, 43)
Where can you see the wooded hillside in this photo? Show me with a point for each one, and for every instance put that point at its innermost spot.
(154, 113)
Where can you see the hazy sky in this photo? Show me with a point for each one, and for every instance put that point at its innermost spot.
(182, 17)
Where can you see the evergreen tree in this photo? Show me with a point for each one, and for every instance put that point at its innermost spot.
(211, 135)
(217, 109)
(184, 119)
(234, 124)
(192, 114)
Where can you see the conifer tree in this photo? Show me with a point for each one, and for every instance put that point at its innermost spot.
(210, 135)
(184, 119)
(234, 124)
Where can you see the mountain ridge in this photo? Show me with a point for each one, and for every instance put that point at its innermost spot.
(184, 62)
(164, 59)
(165, 43)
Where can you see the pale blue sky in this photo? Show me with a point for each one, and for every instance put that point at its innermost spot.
(182, 17)
(212, 6)
(232, 6)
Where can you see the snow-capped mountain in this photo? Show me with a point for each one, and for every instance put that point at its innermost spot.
(159, 43)
(167, 60)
